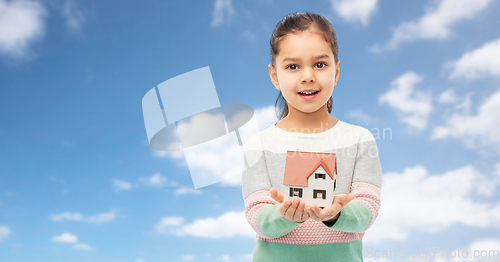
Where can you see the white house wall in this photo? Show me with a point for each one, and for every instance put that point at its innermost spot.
(313, 183)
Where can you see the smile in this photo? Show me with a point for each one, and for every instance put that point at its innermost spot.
(308, 95)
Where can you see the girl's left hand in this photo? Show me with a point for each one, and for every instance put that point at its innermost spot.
(330, 213)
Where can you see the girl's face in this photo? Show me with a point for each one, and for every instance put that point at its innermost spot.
(305, 63)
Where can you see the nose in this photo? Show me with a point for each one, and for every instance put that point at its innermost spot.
(308, 75)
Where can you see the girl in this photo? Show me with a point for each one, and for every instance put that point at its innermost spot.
(305, 68)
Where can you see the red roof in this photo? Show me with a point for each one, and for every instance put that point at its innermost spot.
(300, 165)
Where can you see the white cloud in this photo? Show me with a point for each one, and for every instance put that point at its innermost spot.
(416, 201)
(411, 105)
(355, 10)
(121, 185)
(223, 11)
(71, 239)
(97, 219)
(216, 160)
(4, 232)
(241, 258)
(191, 127)
(179, 155)
(156, 180)
(102, 218)
(82, 246)
(465, 105)
(73, 15)
(167, 222)
(219, 160)
(486, 246)
(453, 103)
(480, 250)
(448, 96)
(67, 216)
(187, 258)
(185, 190)
(54, 179)
(474, 130)
(477, 63)
(358, 114)
(369, 259)
(437, 22)
(65, 238)
(247, 34)
(230, 224)
(246, 257)
(213, 161)
(266, 116)
(21, 23)
(233, 180)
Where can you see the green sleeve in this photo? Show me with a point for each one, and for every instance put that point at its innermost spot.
(272, 224)
(354, 218)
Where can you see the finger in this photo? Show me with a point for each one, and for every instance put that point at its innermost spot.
(336, 207)
(305, 215)
(284, 207)
(344, 200)
(280, 197)
(350, 197)
(312, 215)
(316, 210)
(308, 210)
(291, 210)
(327, 211)
(299, 212)
(274, 193)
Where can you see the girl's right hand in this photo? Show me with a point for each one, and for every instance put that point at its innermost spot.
(291, 210)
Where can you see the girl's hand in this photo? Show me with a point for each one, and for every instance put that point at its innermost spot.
(330, 213)
(293, 211)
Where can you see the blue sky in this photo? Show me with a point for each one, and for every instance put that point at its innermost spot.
(79, 182)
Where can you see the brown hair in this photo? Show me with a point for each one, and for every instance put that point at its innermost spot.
(296, 23)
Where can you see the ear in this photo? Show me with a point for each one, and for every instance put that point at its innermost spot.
(274, 77)
(337, 72)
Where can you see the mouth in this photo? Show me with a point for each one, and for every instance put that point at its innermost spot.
(310, 94)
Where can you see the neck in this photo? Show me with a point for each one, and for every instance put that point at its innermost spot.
(300, 122)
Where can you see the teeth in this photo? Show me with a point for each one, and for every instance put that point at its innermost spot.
(307, 93)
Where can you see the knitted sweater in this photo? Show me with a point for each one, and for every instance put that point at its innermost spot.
(358, 171)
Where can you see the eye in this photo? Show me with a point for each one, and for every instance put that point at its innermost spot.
(291, 65)
(321, 63)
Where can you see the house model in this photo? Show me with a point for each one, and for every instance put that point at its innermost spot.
(310, 177)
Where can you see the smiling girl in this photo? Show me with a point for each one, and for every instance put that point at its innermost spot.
(305, 69)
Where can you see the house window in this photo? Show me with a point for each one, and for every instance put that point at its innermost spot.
(319, 176)
(318, 193)
(295, 192)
